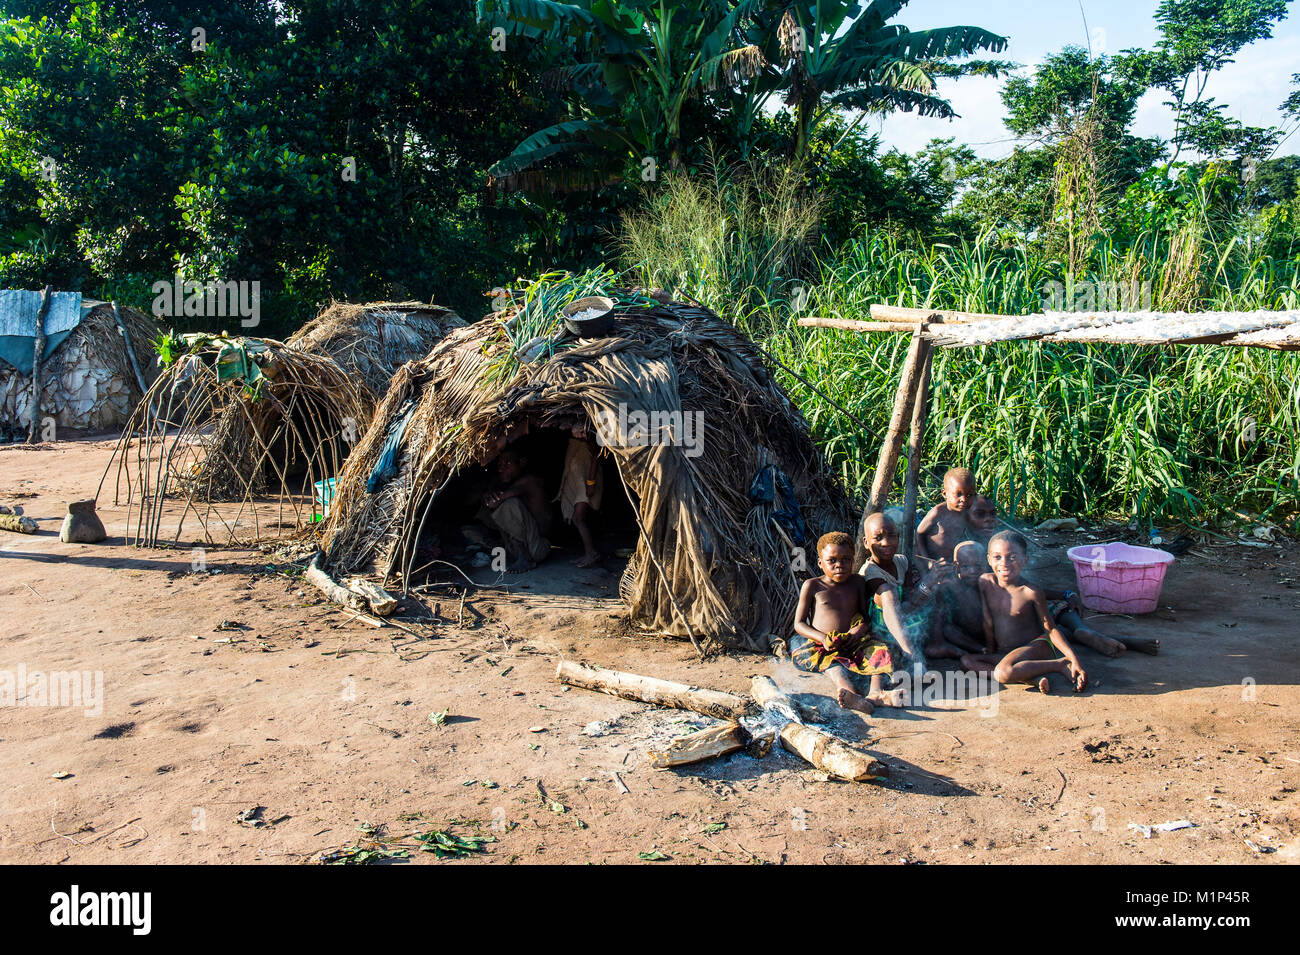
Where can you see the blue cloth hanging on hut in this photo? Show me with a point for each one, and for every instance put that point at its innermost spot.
(386, 466)
(764, 488)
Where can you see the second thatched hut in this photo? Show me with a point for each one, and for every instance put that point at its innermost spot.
(264, 424)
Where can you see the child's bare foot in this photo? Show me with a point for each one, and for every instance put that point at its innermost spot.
(1044, 686)
(1107, 645)
(854, 701)
(587, 560)
(1151, 647)
(895, 697)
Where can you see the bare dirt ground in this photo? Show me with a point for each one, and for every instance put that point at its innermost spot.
(324, 723)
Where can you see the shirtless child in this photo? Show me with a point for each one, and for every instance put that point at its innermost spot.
(833, 635)
(983, 517)
(946, 525)
(958, 623)
(1020, 637)
(1065, 605)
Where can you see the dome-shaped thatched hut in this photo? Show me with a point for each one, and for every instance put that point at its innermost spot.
(257, 422)
(718, 511)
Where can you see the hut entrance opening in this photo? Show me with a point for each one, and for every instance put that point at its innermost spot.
(459, 528)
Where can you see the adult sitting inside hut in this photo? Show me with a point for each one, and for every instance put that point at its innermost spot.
(515, 506)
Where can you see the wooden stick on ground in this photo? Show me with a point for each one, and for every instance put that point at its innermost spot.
(706, 744)
(381, 601)
(647, 689)
(821, 749)
(831, 755)
(18, 524)
(326, 585)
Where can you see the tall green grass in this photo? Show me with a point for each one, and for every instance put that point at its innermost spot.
(736, 234)
(1156, 434)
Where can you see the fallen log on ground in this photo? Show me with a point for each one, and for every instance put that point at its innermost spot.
(821, 749)
(326, 585)
(18, 524)
(647, 689)
(777, 717)
(380, 600)
(706, 744)
(768, 697)
(830, 754)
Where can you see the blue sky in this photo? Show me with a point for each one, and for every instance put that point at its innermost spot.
(1253, 87)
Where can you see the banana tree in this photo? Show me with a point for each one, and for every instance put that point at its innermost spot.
(637, 68)
(845, 55)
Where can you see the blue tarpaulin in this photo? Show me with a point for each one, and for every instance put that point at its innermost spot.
(18, 311)
(386, 466)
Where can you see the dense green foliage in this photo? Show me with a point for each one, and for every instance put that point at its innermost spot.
(223, 154)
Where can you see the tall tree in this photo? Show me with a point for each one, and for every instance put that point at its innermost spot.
(846, 55)
(638, 69)
(322, 147)
(1197, 38)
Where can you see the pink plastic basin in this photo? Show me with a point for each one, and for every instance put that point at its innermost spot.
(1120, 578)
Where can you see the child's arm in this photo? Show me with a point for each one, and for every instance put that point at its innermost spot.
(519, 487)
(990, 637)
(923, 535)
(804, 612)
(864, 608)
(929, 585)
(889, 609)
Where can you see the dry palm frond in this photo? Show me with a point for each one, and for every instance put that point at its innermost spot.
(374, 340)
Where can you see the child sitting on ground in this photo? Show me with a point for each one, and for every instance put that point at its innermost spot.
(1020, 637)
(832, 635)
(1065, 606)
(946, 524)
(515, 506)
(887, 574)
(958, 624)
